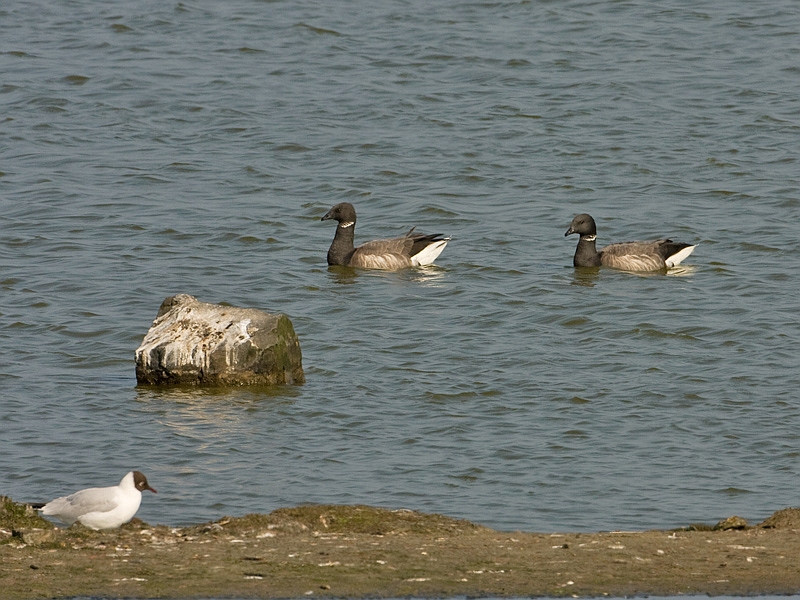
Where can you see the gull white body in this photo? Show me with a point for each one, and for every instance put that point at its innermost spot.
(100, 508)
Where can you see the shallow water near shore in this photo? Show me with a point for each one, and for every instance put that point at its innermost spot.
(154, 149)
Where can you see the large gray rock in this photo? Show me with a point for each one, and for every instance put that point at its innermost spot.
(197, 343)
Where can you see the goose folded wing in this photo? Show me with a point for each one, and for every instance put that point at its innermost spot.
(383, 254)
(634, 256)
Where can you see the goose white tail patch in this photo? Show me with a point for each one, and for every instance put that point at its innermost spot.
(428, 254)
(678, 257)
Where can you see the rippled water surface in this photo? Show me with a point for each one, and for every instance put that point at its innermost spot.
(153, 148)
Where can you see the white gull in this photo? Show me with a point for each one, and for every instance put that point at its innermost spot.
(101, 508)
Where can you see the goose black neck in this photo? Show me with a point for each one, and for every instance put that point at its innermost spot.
(342, 246)
(586, 254)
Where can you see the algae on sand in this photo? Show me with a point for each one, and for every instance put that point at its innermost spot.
(351, 519)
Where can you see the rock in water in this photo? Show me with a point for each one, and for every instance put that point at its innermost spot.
(197, 343)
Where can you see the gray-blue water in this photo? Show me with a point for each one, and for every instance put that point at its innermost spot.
(151, 148)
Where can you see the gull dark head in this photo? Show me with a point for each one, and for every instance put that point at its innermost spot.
(343, 212)
(582, 225)
(140, 481)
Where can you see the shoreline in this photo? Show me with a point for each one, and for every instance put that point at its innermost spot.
(365, 552)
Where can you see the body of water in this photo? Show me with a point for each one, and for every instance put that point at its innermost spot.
(152, 148)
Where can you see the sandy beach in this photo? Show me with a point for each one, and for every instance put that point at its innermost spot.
(360, 551)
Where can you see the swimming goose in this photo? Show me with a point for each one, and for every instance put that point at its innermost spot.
(629, 256)
(100, 508)
(410, 250)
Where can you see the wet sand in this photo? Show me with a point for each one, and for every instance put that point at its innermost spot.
(359, 551)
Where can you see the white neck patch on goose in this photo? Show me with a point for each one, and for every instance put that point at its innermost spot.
(588, 238)
(346, 224)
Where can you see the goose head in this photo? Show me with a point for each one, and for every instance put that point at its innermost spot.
(343, 212)
(583, 225)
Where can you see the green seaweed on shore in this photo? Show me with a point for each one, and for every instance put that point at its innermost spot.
(17, 516)
(356, 519)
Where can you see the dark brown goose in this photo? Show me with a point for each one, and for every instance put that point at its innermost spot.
(654, 255)
(410, 250)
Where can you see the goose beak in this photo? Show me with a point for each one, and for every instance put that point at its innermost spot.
(569, 232)
(327, 216)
